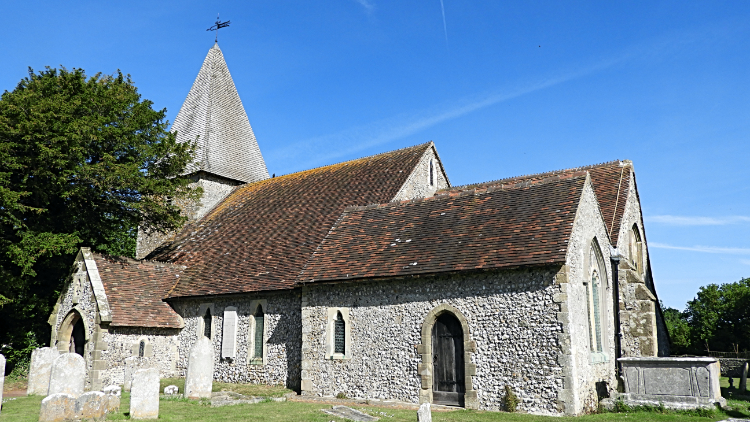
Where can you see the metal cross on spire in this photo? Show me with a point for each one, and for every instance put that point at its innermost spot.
(217, 26)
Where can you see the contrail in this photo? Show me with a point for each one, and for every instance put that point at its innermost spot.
(445, 27)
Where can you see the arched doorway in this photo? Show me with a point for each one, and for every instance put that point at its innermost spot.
(448, 381)
(72, 335)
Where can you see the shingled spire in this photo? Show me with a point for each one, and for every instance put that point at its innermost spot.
(213, 113)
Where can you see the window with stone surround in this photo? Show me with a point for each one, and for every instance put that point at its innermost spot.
(596, 286)
(635, 249)
(204, 327)
(256, 334)
(432, 173)
(338, 334)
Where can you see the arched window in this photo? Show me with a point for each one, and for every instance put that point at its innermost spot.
(142, 348)
(339, 335)
(432, 175)
(207, 324)
(636, 248)
(258, 335)
(594, 289)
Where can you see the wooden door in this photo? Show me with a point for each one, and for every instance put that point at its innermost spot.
(448, 361)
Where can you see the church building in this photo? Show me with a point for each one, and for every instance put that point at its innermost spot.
(376, 277)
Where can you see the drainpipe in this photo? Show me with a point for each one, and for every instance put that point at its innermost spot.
(615, 258)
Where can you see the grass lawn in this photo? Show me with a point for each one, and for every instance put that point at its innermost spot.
(26, 409)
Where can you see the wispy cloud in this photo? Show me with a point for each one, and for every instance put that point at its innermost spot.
(445, 27)
(704, 249)
(678, 220)
(745, 261)
(366, 4)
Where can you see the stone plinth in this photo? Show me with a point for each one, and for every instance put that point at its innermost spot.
(58, 407)
(133, 364)
(113, 393)
(91, 406)
(68, 375)
(678, 383)
(144, 394)
(200, 371)
(39, 370)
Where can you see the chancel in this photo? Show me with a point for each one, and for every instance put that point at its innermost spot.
(376, 277)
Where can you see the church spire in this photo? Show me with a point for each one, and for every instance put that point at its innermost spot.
(214, 114)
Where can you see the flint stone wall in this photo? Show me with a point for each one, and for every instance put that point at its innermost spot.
(283, 338)
(731, 367)
(512, 319)
(122, 343)
(418, 183)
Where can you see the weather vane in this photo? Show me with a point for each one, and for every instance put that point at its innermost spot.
(217, 26)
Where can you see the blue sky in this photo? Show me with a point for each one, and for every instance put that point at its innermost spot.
(503, 88)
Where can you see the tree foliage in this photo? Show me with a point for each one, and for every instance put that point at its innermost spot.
(717, 319)
(83, 162)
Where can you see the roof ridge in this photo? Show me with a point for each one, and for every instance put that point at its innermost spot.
(458, 192)
(552, 172)
(352, 160)
(129, 260)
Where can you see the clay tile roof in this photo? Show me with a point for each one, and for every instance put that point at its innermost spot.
(135, 290)
(260, 237)
(507, 225)
(611, 181)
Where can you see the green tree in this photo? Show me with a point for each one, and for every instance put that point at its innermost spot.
(83, 161)
(679, 330)
(719, 317)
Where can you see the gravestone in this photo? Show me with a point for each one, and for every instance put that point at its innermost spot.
(58, 407)
(133, 364)
(144, 394)
(68, 375)
(743, 378)
(39, 369)
(91, 406)
(113, 393)
(424, 414)
(171, 390)
(200, 371)
(2, 380)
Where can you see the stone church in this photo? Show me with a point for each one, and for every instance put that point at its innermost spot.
(375, 277)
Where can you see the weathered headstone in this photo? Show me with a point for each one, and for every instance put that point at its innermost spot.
(113, 393)
(171, 390)
(200, 371)
(424, 414)
(68, 375)
(133, 364)
(58, 407)
(91, 406)
(144, 394)
(2, 380)
(743, 378)
(39, 369)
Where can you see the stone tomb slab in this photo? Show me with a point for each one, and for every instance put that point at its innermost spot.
(39, 370)
(58, 407)
(68, 375)
(144, 394)
(350, 414)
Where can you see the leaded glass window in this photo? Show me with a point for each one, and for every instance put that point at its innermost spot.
(207, 324)
(432, 179)
(339, 337)
(259, 325)
(142, 349)
(595, 287)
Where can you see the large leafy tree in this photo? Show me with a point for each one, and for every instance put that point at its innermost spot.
(719, 317)
(83, 162)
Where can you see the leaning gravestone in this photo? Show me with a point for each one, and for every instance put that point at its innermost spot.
(133, 364)
(58, 407)
(2, 380)
(200, 371)
(144, 394)
(41, 364)
(743, 378)
(91, 406)
(68, 375)
(113, 393)
(424, 414)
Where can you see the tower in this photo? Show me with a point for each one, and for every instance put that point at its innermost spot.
(227, 153)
